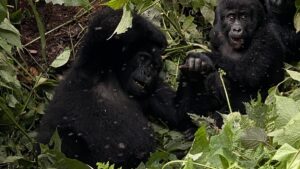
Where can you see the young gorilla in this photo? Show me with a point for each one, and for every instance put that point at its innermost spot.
(98, 109)
(245, 48)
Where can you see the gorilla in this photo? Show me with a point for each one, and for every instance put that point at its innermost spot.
(281, 18)
(100, 108)
(246, 48)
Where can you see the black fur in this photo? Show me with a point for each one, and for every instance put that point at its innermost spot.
(244, 46)
(99, 108)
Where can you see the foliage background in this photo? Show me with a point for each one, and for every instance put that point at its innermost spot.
(267, 137)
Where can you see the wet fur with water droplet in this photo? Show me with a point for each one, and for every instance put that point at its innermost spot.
(245, 46)
(99, 108)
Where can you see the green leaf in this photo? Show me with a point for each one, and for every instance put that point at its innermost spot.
(9, 77)
(116, 4)
(198, 3)
(284, 152)
(297, 4)
(62, 59)
(10, 34)
(12, 101)
(253, 137)
(125, 23)
(288, 134)
(11, 159)
(297, 21)
(286, 109)
(5, 46)
(208, 14)
(288, 156)
(56, 141)
(84, 3)
(3, 9)
(200, 142)
(188, 164)
(67, 163)
(294, 75)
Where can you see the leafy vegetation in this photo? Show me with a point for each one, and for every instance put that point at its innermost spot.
(267, 137)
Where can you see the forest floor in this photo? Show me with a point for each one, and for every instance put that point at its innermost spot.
(64, 27)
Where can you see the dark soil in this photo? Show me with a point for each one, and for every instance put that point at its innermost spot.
(53, 16)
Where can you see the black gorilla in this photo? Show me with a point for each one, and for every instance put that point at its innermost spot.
(98, 109)
(281, 18)
(245, 47)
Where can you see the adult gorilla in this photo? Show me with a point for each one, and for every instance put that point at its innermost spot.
(98, 109)
(244, 46)
(281, 18)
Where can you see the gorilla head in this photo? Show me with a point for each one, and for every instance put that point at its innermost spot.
(133, 56)
(239, 20)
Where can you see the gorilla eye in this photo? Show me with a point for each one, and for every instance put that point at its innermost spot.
(231, 17)
(244, 16)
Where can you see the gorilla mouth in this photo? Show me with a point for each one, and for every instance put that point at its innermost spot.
(140, 84)
(237, 42)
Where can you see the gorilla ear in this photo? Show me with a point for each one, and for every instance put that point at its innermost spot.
(104, 23)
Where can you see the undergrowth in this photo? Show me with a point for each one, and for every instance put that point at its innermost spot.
(267, 137)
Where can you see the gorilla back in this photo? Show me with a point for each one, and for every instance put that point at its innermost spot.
(97, 108)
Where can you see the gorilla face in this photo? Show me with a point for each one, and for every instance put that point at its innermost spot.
(141, 72)
(239, 21)
(236, 22)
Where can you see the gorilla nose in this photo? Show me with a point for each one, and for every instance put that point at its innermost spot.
(237, 29)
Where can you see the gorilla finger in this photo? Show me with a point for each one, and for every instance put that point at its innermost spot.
(197, 64)
(183, 67)
(191, 64)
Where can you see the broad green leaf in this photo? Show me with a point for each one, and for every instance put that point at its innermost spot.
(12, 101)
(286, 109)
(288, 156)
(297, 21)
(294, 75)
(253, 137)
(9, 77)
(116, 4)
(67, 163)
(187, 23)
(5, 46)
(11, 159)
(84, 3)
(125, 23)
(188, 164)
(288, 134)
(194, 157)
(208, 14)
(3, 9)
(284, 152)
(10, 34)
(198, 3)
(62, 59)
(200, 142)
(55, 141)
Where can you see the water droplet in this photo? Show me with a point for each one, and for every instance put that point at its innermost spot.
(98, 28)
(121, 146)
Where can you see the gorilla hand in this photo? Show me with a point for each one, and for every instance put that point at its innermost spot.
(197, 63)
